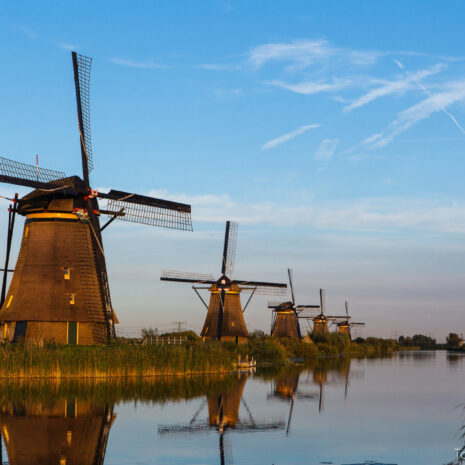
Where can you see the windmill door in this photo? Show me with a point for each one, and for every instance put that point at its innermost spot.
(73, 332)
(20, 331)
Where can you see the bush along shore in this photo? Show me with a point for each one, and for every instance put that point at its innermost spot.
(124, 359)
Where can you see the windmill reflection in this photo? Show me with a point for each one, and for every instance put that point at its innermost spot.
(223, 416)
(64, 432)
(285, 388)
(333, 372)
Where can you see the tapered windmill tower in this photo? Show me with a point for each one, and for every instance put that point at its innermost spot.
(286, 315)
(320, 322)
(344, 326)
(225, 320)
(59, 291)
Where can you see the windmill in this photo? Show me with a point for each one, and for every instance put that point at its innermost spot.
(344, 326)
(320, 322)
(285, 321)
(225, 320)
(59, 291)
(223, 416)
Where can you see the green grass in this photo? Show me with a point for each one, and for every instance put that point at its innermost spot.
(114, 360)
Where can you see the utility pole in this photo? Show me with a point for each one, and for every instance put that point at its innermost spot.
(179, 324)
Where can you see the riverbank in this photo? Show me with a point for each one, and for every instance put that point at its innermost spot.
(123, 360)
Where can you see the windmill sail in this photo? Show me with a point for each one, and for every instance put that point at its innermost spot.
(81, 66)
(148, 210)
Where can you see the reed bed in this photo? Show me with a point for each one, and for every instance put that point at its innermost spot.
(112, 361)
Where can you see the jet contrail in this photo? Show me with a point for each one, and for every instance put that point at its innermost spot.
(430, 95)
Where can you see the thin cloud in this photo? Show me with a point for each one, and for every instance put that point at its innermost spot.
(406, 119)
(392, 87)
(149, 64)
(326, 149)
(363, 215)
(305, 52)
(312, 87)
(28, 32)
(219, 67)
(290, 135)
(428, 93)
(66, 46)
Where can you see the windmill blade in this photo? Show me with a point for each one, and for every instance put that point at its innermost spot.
(81, 67)
(307, 306)
(187, 277)
(274, 303)
(22, 174)
(263, 288)
(148, 210)
(322, 300)
(347, 308)
(229, 249)
(357, 324)
(289, 272)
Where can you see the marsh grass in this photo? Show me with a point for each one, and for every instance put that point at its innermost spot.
(111, 361)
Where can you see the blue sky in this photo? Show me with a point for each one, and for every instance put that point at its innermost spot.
(332, 131)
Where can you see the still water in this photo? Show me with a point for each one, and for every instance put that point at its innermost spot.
(405, 409)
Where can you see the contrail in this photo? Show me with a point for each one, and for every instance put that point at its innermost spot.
(430, 95)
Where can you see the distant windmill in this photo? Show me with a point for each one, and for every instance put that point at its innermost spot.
(59, 291)
(286, 315)
(344, 327)
(320, 322)
(223, 416)
(225, 320)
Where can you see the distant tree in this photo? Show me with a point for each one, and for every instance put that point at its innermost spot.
(258, 333)
(454, 341)
(359, 340)
(424, 342)
(149, 332)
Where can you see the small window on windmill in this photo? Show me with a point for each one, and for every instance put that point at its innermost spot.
(67, 273)
(232, 324)
(71, 299)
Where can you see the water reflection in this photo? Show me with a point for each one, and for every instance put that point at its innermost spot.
(66, 432)
(223, 416)
(401, 398)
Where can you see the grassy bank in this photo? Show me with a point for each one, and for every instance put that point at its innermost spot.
(267, 349)
(114, 360)
(123, 360)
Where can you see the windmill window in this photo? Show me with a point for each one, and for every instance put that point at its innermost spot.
(62, 460)
(67, 273)
(71, 299)
(232, 324)
(69, 437)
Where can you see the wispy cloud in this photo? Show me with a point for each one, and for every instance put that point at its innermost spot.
(392, 87)
(290, 135)
(66, 46)
(306, 52)
(28, 32)
(220, 67)
(148, 64)
(455, 92)
(367, 214)
(226, 94)
(429, 94)
(312, 87)
(326, 149)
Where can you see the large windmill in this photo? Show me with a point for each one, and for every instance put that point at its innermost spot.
(223, 416)
(59, 291)
(225, 320)
(344, 326)
(286, 315)
(320, 322)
